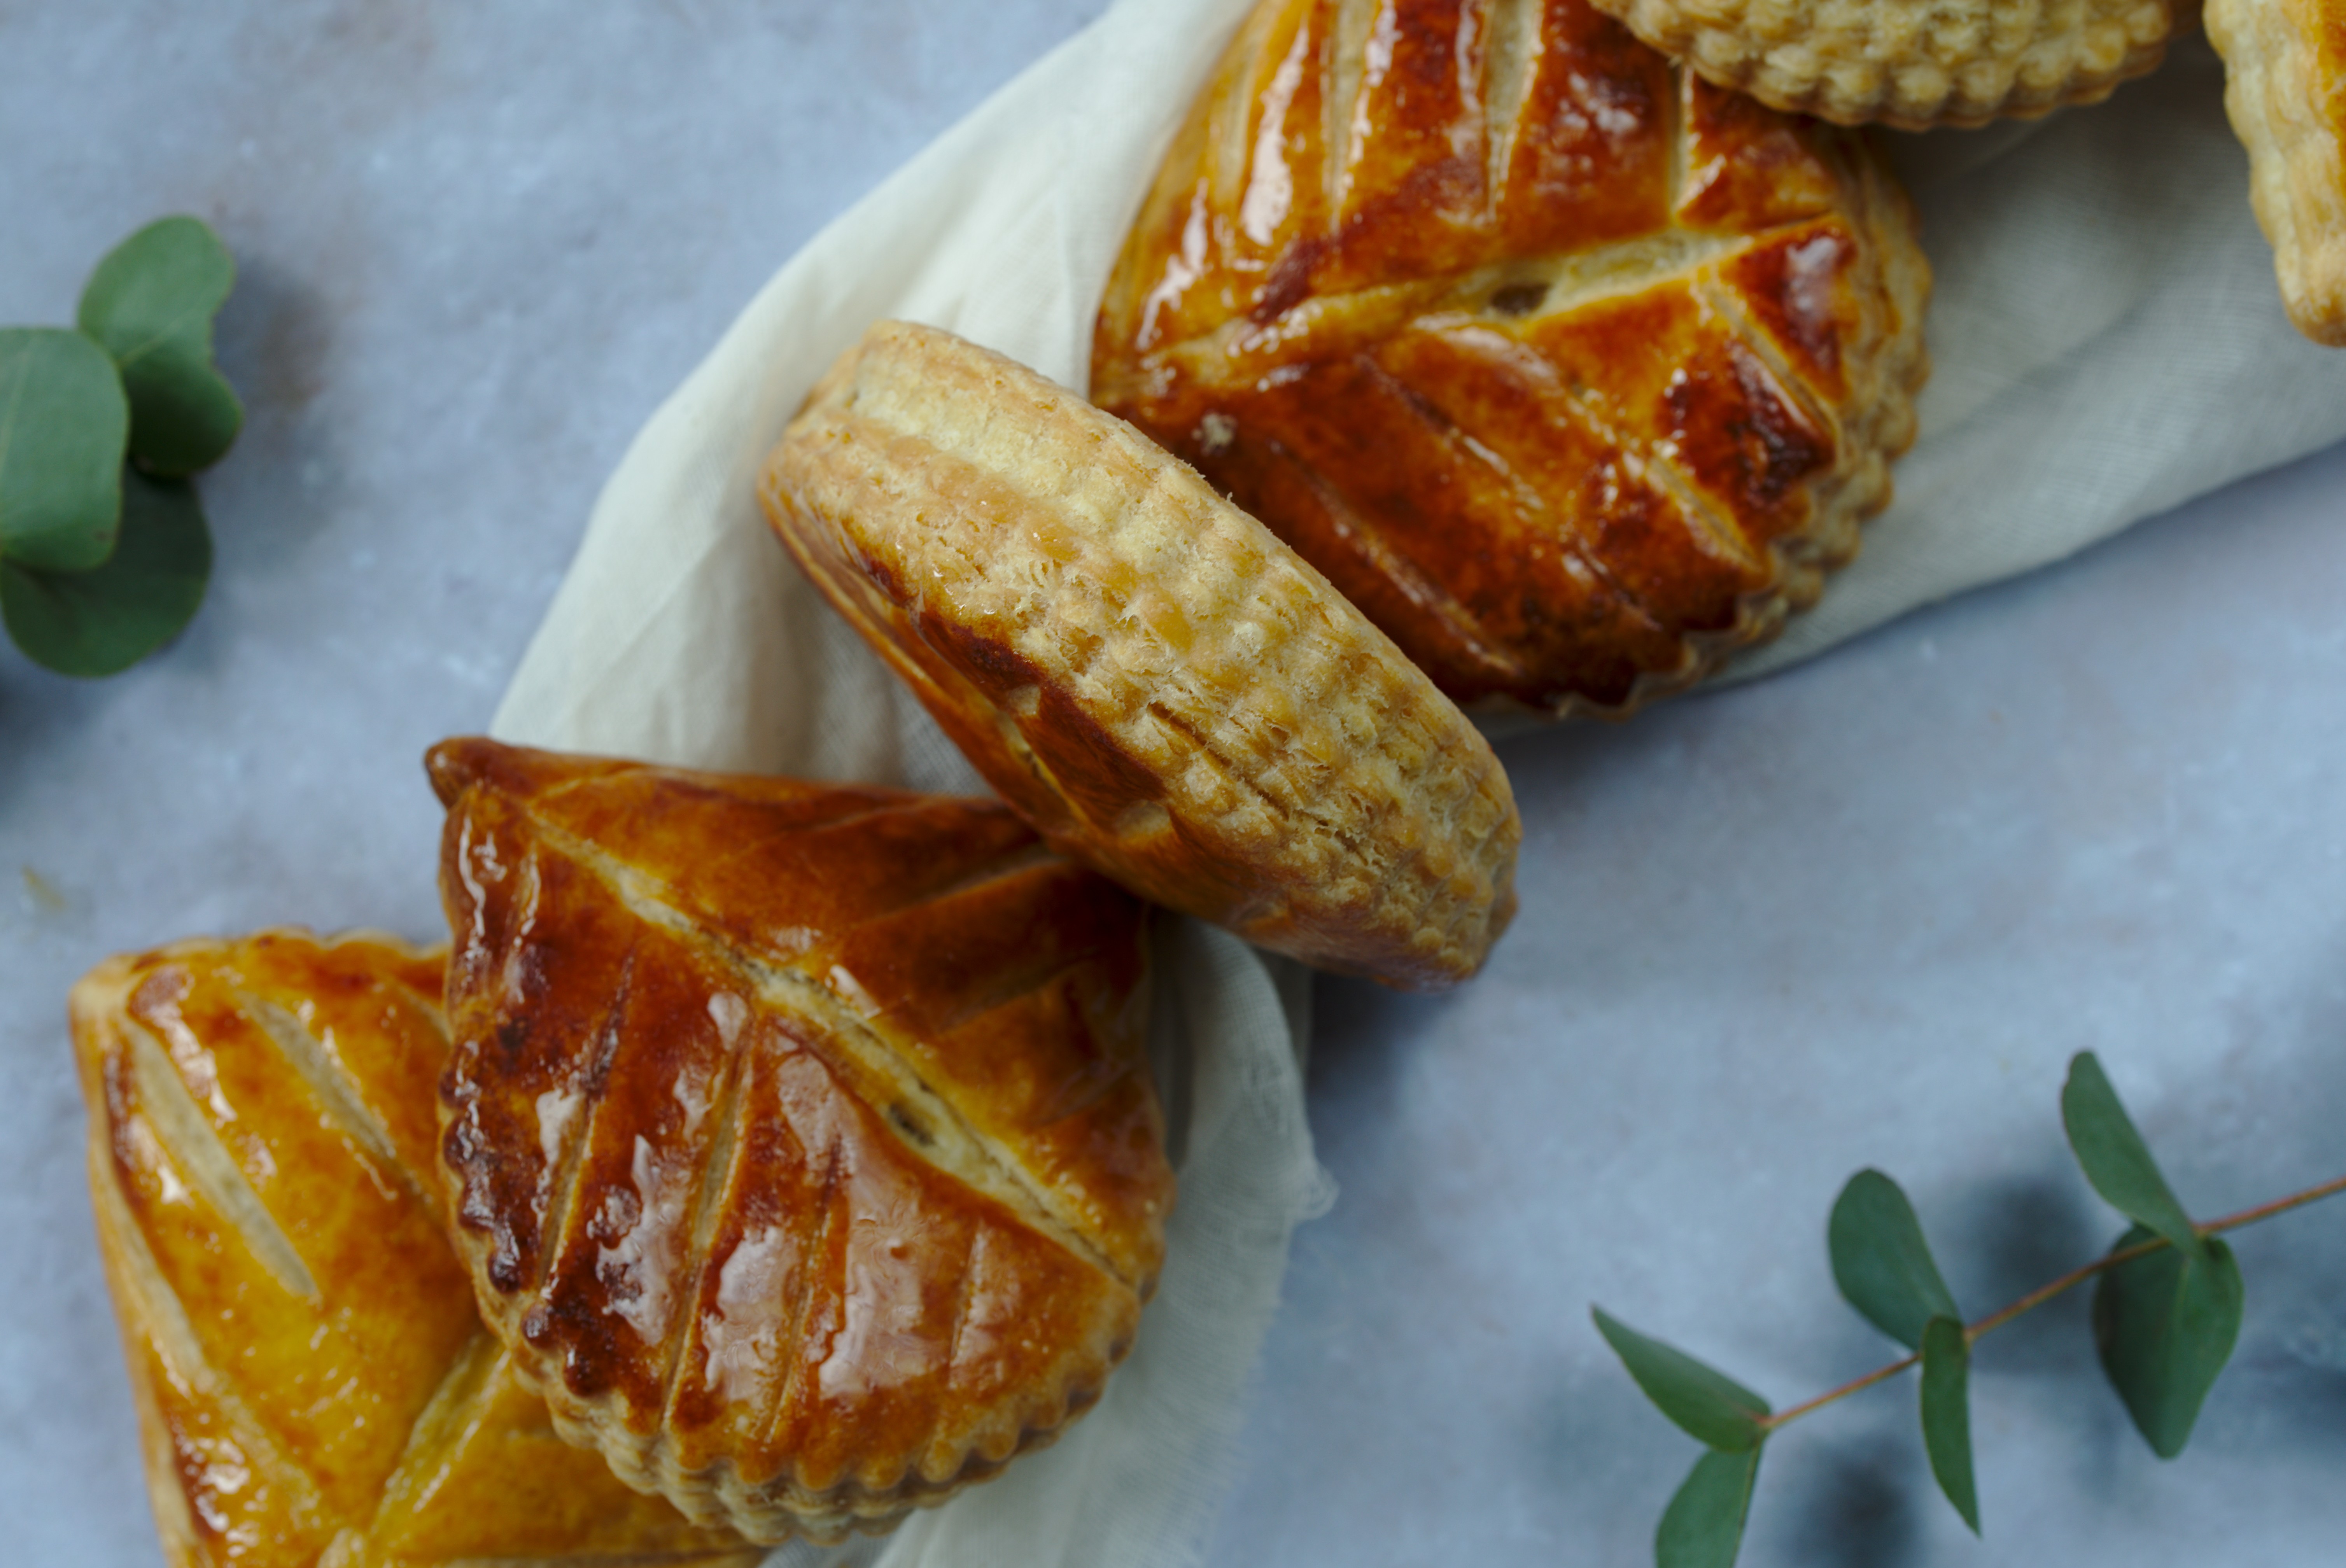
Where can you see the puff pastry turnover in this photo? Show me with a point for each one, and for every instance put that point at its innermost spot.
(1160, 684)
(314, 1387)
(1574, 371)
(803, 1145)
(2285, 89)
(1912, 64)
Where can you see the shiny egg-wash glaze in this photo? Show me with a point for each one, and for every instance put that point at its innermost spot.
(801, 1137)
(314, 1387)
(1574, 371)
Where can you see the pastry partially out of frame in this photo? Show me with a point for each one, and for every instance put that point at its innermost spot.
(315, 1388)
(1574, 371)
(2285, 89)
(1912, 64)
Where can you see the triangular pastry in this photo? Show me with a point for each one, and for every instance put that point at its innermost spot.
(802, 1140)
(2285, 89)
(1162, 687)
(1574, 371)
(315, 1388)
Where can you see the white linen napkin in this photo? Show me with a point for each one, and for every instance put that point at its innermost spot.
(2108, 343)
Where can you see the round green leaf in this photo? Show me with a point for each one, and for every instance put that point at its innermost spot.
(1881, 1262)
(1708, 1405)
(105, 620)
(1703, 1526)
(62, 424)
(151, 303)
(1947, 1414)
(2166, 1324)
(2115, 1159)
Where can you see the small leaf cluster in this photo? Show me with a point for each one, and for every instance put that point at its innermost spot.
(2165, 1314)
(104, 550)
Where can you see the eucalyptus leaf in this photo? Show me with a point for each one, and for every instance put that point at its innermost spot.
(151, 303)
(1711, 1407)
(2115, 1159)
(63, 422)
(1703, 1526)
(105, 620)
(1947, 1414)
(1881, 1262)
(2166, 1324)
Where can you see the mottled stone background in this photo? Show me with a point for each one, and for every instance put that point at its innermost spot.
(1860, 914)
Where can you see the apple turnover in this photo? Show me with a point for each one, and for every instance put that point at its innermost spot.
(2285, 89)
(1162, 687)
(315, 1388)
(1574, 371)
(1913, 63)
(803, 1145)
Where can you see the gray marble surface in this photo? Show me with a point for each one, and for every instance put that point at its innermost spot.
(1859, 914)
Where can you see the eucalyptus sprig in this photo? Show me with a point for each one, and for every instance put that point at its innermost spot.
(2167, 1312)
(104, 550)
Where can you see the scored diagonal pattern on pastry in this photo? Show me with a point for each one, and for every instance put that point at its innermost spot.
(802, 1135)
(313, 1385)
(1574, 371)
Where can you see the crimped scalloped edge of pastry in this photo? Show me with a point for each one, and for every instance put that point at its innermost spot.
(868, 1492)
(1285, 734)
(1908, 64)
(784, 1506)
(2274, 94)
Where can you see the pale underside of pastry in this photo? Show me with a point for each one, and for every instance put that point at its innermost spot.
(2285, 89)
(1912, 64)
(1165, 690)
(801, 1137)
(1574, 373)
(315, 1388)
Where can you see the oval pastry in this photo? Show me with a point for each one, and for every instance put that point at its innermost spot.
(802, 1142)
(314, 1387)
(1155, 682)
(1912, 64)
(1574, 371)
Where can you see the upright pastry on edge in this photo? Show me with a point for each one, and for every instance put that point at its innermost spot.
(1913, 63)
(1574, 371)
(1162, 687)
(2285, 90)
(314, 1387)
(802, 1142)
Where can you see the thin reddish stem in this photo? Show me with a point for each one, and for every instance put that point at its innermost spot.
(2044, 1293)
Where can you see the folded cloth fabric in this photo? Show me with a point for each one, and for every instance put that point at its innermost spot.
(2108, 343)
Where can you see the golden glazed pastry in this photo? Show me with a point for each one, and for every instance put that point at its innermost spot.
(1574, 371)
(1913, 63)
(803, 1145)
(1160, 686)
(313, 1386)
(2285, 89)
